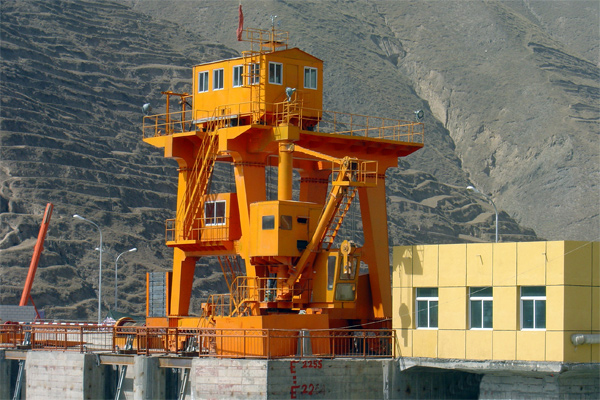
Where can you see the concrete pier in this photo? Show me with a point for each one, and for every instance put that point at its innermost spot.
(63, 375)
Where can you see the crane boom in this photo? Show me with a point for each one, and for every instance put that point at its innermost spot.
(37, 252)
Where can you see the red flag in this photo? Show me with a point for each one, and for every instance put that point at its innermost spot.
(240, 24)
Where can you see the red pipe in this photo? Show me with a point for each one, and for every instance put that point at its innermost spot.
(37, 252)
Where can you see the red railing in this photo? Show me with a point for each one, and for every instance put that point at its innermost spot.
(203, 342)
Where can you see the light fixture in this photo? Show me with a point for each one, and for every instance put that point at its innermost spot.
(419, 114)
(146, 109)
(289, 92)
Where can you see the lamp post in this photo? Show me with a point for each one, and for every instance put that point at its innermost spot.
(472, 188)
(99, 268)
(116, 261)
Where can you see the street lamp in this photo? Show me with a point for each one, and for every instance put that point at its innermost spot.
(116, 261)
(491, 201)
(99, 268)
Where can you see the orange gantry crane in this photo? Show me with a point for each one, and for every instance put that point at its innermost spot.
(283, 261)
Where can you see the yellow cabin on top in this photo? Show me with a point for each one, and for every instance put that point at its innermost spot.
(253, 87)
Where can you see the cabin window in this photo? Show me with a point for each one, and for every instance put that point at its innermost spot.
(253, 74)
(218, 79)
(214, 213)
(285, 222)
(237, 76)
(310, 78)
(268, 222)
(202, 81)
(275, 73)
(533, 307)
(427, 308)
(481, 307)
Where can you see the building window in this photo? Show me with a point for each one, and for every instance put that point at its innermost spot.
(214, 213)
(218, 79)
(253, 74)
(237, 76)
(202, 81)
(310, 78)
(427, 308)
(268, 222)
(533, 307)
(481, 307)
(275, 73)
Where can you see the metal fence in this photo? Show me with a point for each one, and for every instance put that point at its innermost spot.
(203, 342)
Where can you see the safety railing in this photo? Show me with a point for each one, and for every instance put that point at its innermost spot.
(205, 341)
(206, 229)
(260, 343)
(310, 119)
(65, 337)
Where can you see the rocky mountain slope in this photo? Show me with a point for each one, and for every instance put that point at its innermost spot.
(74, 75)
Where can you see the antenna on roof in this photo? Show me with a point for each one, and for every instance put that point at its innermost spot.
(273, 21)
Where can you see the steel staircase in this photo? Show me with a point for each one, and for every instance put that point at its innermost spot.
(340, 213)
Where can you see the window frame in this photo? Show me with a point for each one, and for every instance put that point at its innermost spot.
(218, 78)
(477, 296)
(316, 83)
(204, 81)
(429, 300)
(253, 74)
(278, 73)
(215, 219)
(236, 74)
(535, 299)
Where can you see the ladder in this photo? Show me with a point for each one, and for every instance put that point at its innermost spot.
(199, 180)
(122, 374)
(184, 381)
(338, 217)
(19, 383)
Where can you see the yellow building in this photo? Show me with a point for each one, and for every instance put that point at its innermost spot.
(498, 301)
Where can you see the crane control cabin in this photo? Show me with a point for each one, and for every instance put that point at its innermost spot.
(282, 259)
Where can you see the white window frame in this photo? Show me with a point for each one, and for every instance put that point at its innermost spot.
(238, 72)
(254, 74)
(476, 295)
(218, 79)
(276, 78)
(429, 300)
(316, 76)
(204, 81)
(215, 219)
(535, 299)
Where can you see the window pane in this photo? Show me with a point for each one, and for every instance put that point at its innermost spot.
(220, 212)
(268, 222)
(237, 76)
(540, 314)
(433, 314)
(533, 291)
(527, 314)
(330, 271)
(209, 213)
(488, 314)
(476, 312)
(422, 320)
(285, 222)
(427, 292)
(480, 292)
(203, 81)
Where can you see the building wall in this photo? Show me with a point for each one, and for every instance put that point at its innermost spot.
(570, 271)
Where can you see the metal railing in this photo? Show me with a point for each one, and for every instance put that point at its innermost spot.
(205, 229)
(316, 120)
(204, 342)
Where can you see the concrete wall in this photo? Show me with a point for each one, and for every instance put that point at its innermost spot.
(228, 378)
(58, 375)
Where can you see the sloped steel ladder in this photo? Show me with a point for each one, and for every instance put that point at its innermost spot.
(19, 383)
(123, 371)
(199, 181)
(184, 381)
(231, 269)
(240, 297)
(338, 217)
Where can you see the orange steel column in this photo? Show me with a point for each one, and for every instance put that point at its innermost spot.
(284, 181)
(181, 284)
(250, 185)
(376, 249)
(313, 185)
